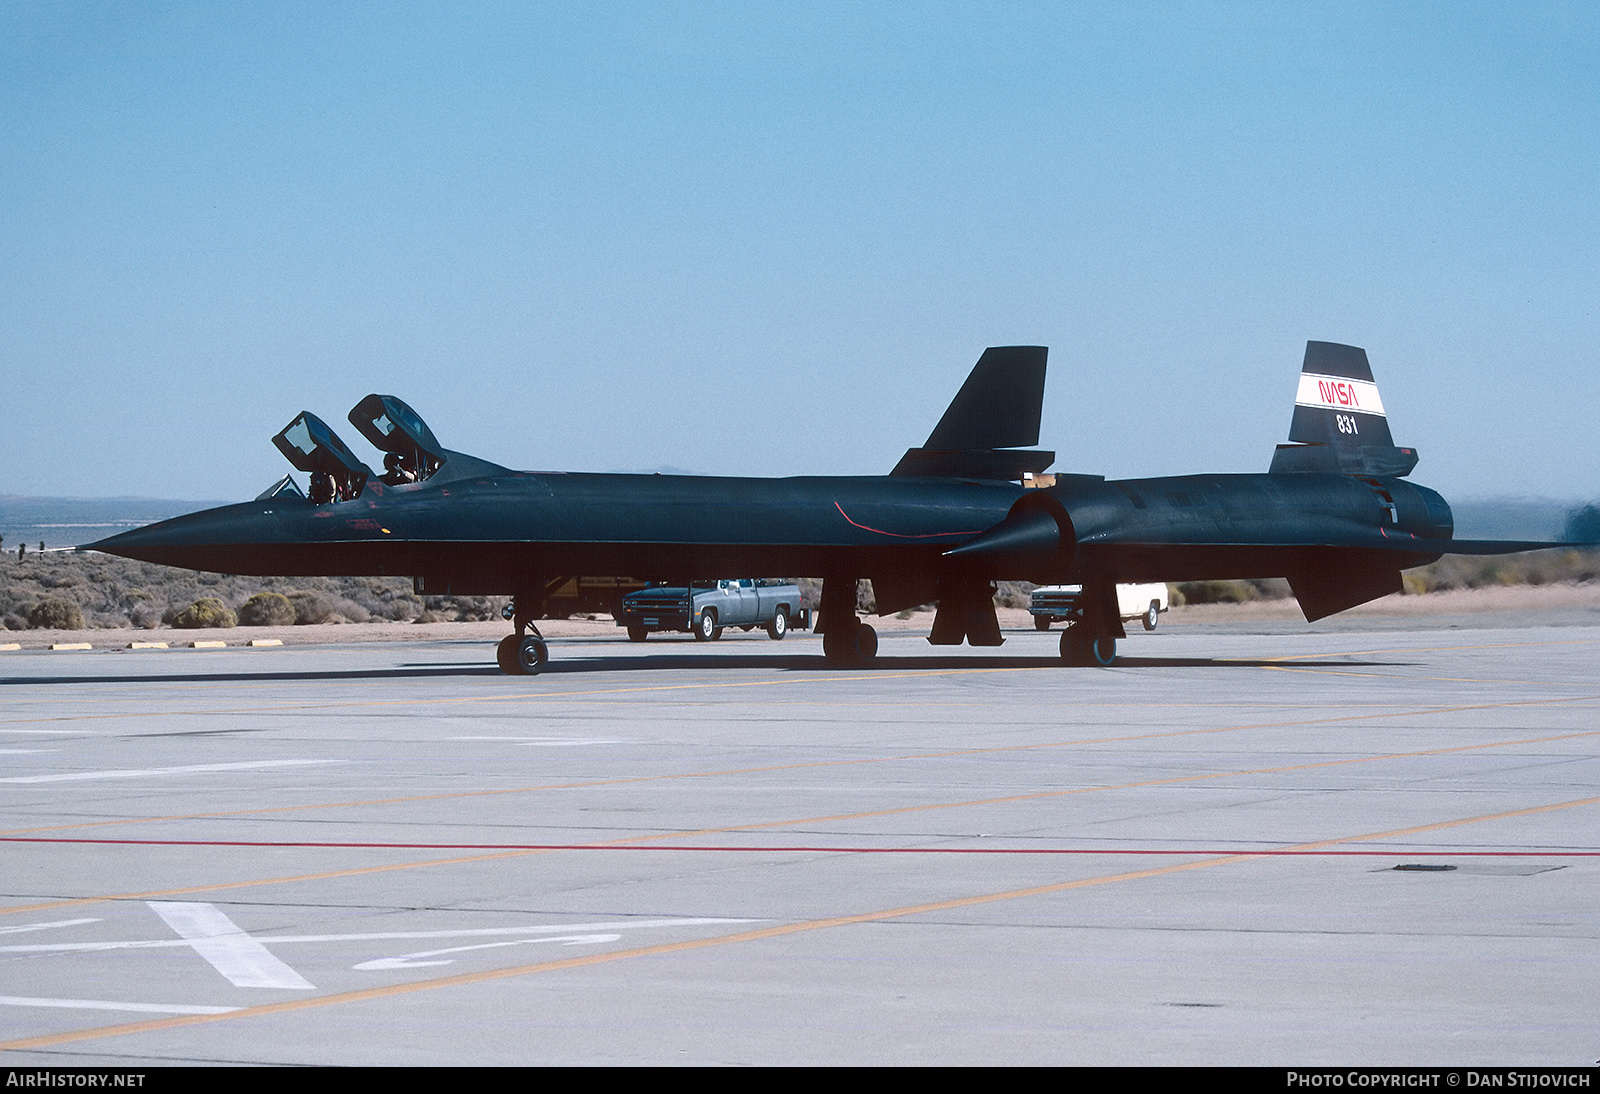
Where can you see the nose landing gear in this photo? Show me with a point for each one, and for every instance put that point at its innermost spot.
(520, 654)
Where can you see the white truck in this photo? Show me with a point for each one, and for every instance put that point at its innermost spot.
(1059, 604)
(728, 602)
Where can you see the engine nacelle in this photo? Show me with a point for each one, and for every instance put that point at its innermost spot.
(1035, 541)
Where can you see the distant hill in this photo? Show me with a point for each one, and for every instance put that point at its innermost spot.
(1512, 518)
(68, 522)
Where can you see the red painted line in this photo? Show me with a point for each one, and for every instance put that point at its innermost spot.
(900, 535)
(796, 848)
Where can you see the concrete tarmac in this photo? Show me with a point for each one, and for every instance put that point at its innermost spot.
(1324, 847)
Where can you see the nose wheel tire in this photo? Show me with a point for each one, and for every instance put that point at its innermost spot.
(506, 655)
(532, 654)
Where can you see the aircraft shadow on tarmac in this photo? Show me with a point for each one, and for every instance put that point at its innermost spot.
(702, 661)
(924, 663)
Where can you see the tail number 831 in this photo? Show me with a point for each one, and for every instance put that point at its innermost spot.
(1346, 423)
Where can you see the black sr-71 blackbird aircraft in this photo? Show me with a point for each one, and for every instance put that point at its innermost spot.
(1334, 515)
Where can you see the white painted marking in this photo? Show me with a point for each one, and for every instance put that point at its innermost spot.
(137, 773)
(46, 926)
(25, 751)
(414, 960)
(543, 741)
(1338, 393)
(106, 1004)
(381, 936)
(72, 731)
(244, 961)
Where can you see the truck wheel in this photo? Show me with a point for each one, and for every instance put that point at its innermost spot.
(779, 626)
(1153, 616)
(706, 629)
(637, 634)
(1041, 622)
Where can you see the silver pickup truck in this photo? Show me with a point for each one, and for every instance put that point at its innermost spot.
(729, 602)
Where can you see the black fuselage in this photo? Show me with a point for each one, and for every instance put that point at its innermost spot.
(500, 531)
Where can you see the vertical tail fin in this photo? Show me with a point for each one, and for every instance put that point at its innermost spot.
(996, 412)
(1339, 423)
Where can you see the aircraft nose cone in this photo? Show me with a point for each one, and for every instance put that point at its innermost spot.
(186, 540)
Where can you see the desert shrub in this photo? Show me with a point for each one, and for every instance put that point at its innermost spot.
(1218, 592)
(147, 616)
(310, 607)
(1013, 594)
(266, 610)
(1532, 568)
(346, 610)
(56, 613)
(206, 612)
(469, 609)
(401, 607)
(1415, 583)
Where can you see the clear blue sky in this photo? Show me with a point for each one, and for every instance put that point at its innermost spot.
(771, 239)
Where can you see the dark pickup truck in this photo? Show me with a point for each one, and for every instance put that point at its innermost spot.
(729, 602)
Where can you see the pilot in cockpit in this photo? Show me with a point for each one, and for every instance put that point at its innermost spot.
(398, 469)
(322, 488)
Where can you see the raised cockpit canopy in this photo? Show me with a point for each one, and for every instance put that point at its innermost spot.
(311, 446)
(285, 487)
(411, 452)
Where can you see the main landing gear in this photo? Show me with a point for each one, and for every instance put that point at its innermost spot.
(1091, 639)
(522, 654)
(1079, 647)
(850, 645)
(845, 639)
